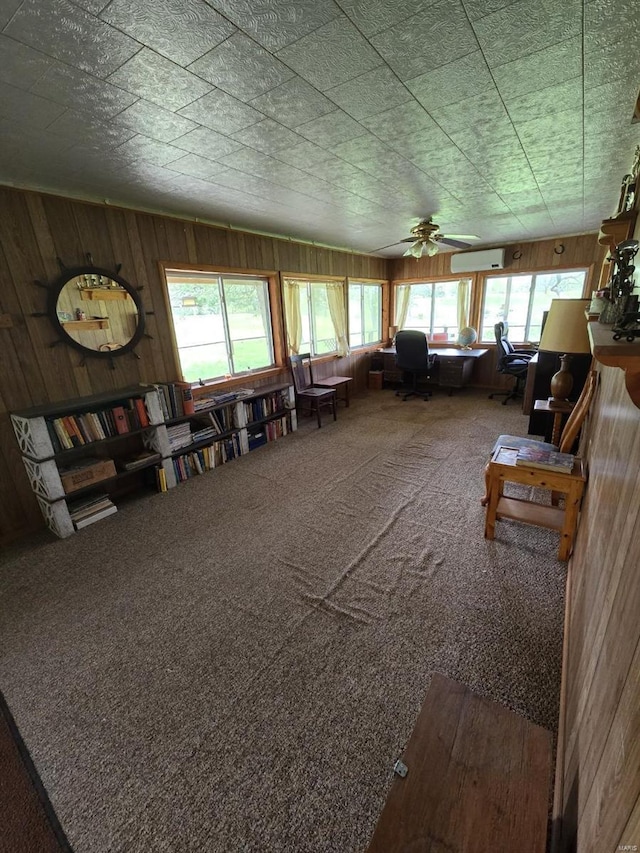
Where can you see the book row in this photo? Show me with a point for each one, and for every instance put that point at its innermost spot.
(80, 429)
(198, 461)
(263, 407)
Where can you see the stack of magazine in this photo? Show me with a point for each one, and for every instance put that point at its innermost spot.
(90, 509)
(548, 460)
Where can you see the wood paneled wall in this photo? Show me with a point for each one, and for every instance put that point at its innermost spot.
(580, 251)
(35, 229)
(600, 762)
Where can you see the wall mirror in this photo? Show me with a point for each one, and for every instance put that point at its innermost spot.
(96, 311)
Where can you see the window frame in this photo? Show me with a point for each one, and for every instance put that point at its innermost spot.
(364, 282)
(533, 273)
(310, 279)
(433, 280)
(275, 325)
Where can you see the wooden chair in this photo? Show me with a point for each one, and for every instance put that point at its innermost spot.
(567, 438)
(308, 393)
(335, 382)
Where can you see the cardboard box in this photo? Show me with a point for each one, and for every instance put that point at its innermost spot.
(86, 473)
(375, 379)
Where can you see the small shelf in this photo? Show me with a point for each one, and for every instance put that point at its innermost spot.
(620, 354)
(530, 513)
(70, 496)
(91, 294)
(86, 325)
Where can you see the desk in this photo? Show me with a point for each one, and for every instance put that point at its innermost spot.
(503, 468)
(453, 367)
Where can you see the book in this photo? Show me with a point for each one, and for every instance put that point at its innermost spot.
(548, 460)
(122, 424)
(96, 516)
(139, 459)
(141, 410)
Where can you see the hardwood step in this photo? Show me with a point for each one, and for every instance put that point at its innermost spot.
(478, 780)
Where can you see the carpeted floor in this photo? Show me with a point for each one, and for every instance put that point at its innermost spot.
(236, 664)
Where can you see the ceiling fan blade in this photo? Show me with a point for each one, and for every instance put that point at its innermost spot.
(381, 248)
(463, 236)
(457, 244)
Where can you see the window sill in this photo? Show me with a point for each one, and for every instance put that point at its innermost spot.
(237, 381)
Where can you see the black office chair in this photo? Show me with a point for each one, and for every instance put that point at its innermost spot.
(511, 361)
(412, 357)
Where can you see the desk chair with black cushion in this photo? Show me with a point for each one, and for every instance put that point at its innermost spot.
(412, 357)
(306, 392)
(512, 362)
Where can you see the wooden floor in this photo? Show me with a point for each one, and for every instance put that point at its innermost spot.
(478, 780)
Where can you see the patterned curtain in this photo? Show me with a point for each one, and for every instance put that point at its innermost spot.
(292, 315)
(338, 311)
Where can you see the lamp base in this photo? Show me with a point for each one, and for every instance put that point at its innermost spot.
(562, 381)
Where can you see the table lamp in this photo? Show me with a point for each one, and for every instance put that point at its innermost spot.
(565, 331)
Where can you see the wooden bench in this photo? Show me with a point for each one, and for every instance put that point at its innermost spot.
(478, 780)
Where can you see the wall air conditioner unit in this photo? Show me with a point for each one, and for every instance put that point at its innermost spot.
(490, 259)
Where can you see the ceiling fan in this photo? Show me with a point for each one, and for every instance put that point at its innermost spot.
(427, 236)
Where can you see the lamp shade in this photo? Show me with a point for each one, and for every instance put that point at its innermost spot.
(566, 327)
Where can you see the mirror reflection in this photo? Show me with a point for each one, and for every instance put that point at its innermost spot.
(97, 312)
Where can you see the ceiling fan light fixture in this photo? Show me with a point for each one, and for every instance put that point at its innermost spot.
(420, 248)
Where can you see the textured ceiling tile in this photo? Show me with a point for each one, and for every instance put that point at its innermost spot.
(480, 138)
(331, 129)
(150, 150)
(425, 42)
(254, 163)
(370, 94)
(330, 55)
(611, 63)
(157, 79)
(27, 109)
(338, 172)
(8, 8)
(604, 22)
(93, 6)
(365, 148)
(293, 103)
(614, 98)
(181, 30)
(20, 65)
(242, 68)
(304, 155)
(75, 88)
(150, 120)
(479, 109)
(399, 121)
(207, 143)
(526, 27)
(373, 16)
(276, 23)
(545, 103)
(476, 9)
(452, 82)
(70, 34)
(555, 64)
(267, 136)
(92, 130)
(540, 134)
(221, 112)
(420, 145)
(198, 167)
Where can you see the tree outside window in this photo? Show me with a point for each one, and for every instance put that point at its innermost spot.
(222, 323)
(431, 307)
(521, 301)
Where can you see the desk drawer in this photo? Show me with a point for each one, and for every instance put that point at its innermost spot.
(455, 372)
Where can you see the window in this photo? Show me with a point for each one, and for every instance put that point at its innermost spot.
(222, 323)
(365, 313)
(316, 316)
(434, 308)
(521, 300)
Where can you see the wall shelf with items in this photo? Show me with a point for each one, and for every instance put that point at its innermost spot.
(86, 325)
(91, 294)
(74, 448)
(620, 354)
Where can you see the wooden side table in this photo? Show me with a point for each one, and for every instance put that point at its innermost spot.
(503, 468)
(558, 408)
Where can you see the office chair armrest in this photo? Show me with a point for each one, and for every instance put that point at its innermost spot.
(516, 359)
(529, 352)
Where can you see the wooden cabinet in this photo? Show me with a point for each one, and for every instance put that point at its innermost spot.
(82, 455)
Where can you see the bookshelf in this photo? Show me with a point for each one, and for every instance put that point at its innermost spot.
(80, 454)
